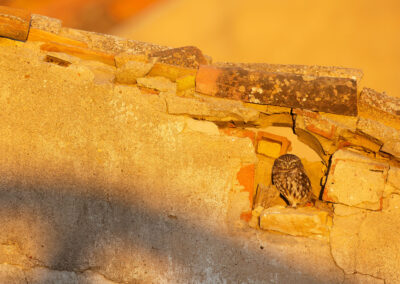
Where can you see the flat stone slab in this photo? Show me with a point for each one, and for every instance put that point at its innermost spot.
(355, 180)
(303, 221)
(380, 107)
(389, 136)
(307, 91)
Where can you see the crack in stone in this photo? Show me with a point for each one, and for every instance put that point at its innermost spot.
(364, 274)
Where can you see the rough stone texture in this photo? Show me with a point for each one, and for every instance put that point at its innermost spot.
(103, 73)
(187, 56)
(47, 24)
(328, 94)
(209, 108)
(130, 71)
(359, 141)
(344, 236)
(158, 83)
(267, 109)
(16, 275)
(364, 241)
(100, 177)
(389, 136)
(313, 70)
(302, 221)
(201, 126)
(326, 125)
(326, 132)
(380, 107)
(393, 180)
(11, 254)
(110, 43)
(12, 274)
(355, 180)
(379, 247)
(14, 23)
(362, 279)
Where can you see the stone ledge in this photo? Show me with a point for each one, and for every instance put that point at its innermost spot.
(303, 221)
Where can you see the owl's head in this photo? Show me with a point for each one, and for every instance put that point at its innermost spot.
(288, 162)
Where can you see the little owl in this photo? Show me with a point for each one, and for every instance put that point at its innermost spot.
(290, 179)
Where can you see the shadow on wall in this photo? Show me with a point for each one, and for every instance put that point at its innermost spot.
(75, 225)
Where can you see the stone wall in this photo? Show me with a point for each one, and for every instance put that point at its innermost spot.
(127, 162)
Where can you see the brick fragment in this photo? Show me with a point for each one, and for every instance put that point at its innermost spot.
(81, 52)
(14, 23)
(313, 70)
(245, 177)
(380, 107)
(308, 91)
(271, 145)
(317, 124)
(303, 221)
(45, 36)
(356, 180)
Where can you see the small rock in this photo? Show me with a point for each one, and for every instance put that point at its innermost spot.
(131, 70)
(159, 83)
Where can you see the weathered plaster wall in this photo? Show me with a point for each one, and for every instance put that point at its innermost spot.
(99, 178)
(115, 168)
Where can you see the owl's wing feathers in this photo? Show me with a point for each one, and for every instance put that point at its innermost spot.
(306, 184)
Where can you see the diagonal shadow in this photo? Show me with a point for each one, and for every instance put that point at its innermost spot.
(84, 223)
